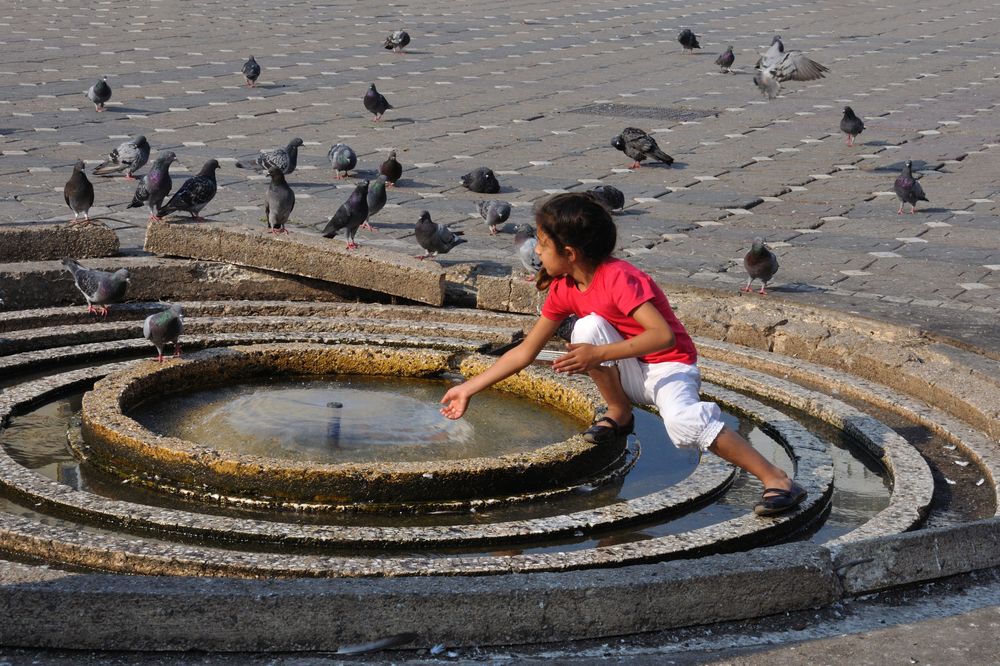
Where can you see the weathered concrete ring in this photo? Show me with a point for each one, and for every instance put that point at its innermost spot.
(120, 445)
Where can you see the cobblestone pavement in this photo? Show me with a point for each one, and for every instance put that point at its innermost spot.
(525, 89)
(536, 90)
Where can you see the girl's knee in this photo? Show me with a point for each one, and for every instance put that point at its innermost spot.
(593, 329)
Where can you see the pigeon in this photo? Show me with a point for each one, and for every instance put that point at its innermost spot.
(908, 189)
(481, 180)
(279, 202)
(98, 287)
(343, 159)
(164, 327)
(611, 197)
(726, 60)
(391, 169)
(688, 40)
(376, 200)
(495, 213)
(640, 146)
(99, 93)
(525, 242)
(351, 215)
(283, 158)
(376, 102)
(851, 125)
(760, 264)
(777, 66)
(397, 41)
(129, 157)
(155, 185)
(433, 237)
(79, 194)
(251, 71)
(195, 193)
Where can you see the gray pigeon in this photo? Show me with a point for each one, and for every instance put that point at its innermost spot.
(98, 287)
(79, 194)
(283, 158)
(129, 157)
(726, 60)
(525, 242)
(760, 264)
(376, 200)
(195, 193)
(433, 237)
(640, 146)
(391, 169)
(777, 66)
(343, 159)
(481, 180)
(688, 40)
(155, 185)
(350, 216)
(251, 71)
(851, 125)
(495, 213)
(397, 41)
(279, 202)
(610, 196)
(99, 93)
(908, 190)
(164, 327)
(376, 102)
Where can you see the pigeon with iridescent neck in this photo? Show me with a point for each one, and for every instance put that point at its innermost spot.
(760, 264)
(195, 193)
(155, 185)
(251, 72)
(376, 103)
(164, 327)
(284, 158)
(98, 287)
(99, 93)
(343, 159)
(908, 190)
(350, 216)
(433, 237)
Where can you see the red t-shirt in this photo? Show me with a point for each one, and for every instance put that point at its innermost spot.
(617, 290)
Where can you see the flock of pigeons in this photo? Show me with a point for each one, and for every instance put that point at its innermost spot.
(773, 68)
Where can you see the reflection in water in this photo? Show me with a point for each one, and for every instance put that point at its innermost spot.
(354, 419)
(38, 441)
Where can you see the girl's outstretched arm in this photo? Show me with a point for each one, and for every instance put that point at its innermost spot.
(456, 400)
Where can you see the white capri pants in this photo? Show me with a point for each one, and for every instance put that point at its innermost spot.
(672, 387)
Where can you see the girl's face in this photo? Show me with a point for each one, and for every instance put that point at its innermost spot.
(554, 261)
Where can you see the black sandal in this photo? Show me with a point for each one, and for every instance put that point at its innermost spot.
(778, 500)
(603, 434)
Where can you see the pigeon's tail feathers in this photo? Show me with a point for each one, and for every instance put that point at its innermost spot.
(661, 156)
(109, 167)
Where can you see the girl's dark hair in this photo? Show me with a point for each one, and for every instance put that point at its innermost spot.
(580, 221)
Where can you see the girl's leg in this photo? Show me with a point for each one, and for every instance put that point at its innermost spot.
(731, 447)
(613, 379)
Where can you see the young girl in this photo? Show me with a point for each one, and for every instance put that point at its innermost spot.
(627, 339)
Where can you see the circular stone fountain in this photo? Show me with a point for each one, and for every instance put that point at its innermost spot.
(546, 544)
(120, 445)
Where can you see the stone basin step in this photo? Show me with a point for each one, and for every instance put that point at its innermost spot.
(45, 242)
(32, 340)
(94, 351)
(64, 316)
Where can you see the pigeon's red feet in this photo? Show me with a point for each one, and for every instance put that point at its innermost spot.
(91, 309)
(913, 210)
(746, 289)
(368, 227)
(104, 310)
(129, 177)
(900, 211)
(352, 246)
(762, 292)
(177, 350)
(282, 230)
(635, 165)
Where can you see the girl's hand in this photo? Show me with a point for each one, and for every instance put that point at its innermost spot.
(455, 402)
(579, 359)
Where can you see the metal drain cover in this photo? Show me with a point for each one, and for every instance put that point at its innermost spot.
(652, 112)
